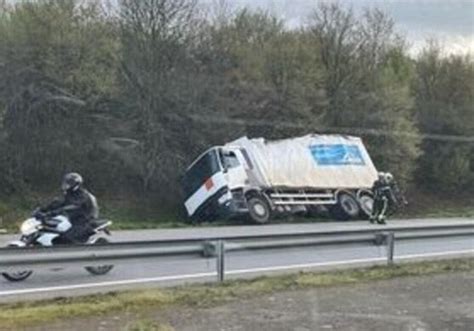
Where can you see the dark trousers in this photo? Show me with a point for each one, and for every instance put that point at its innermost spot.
(380, 208)
(78, 234)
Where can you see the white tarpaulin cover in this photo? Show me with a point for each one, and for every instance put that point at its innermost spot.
(316, 161)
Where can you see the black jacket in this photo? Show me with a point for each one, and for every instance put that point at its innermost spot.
(390, 191)
(80, 206)
(381, 189)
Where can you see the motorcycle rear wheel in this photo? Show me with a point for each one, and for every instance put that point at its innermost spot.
(101, 269)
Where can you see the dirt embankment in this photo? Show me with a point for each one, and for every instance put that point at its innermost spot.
(439, 302)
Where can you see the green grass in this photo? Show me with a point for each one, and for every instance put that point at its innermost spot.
(429, 205)
(12, 211)
(147, 325)
(448, 212)
(125, 215)
(40, 313)
(131, 224)
(129, 214)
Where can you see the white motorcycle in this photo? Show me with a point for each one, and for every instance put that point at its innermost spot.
(47, 232)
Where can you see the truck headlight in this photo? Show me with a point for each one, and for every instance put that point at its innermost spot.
(224, 198)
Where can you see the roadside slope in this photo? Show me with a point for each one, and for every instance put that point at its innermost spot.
(198, 307)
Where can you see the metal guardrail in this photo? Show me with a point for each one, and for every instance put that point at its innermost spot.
(123, 252)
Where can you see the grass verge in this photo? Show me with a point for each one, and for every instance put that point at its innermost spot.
(147, 325)
(449, 212)
(14, 316)
(130, 214)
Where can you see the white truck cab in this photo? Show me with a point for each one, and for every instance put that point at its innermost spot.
(212, 183)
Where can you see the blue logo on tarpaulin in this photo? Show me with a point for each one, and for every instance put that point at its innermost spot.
(337, 155)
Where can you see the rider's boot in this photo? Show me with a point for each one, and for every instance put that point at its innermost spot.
(381, 220)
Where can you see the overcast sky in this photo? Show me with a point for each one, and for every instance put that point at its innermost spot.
(451, 21)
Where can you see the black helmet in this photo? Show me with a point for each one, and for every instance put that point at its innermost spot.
(71, 182)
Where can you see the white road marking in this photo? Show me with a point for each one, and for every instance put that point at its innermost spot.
(229, 272)
(105, 284)
(304, 266)
(414, 256)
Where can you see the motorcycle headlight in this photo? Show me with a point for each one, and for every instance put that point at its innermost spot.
(29, 226)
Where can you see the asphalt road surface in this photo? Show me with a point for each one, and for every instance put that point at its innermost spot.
(151, 272)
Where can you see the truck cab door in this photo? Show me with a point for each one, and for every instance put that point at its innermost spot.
(234, 168)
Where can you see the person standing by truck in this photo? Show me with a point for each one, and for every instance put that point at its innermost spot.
(387, 195)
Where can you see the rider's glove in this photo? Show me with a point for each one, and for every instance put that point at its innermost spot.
(38, 214)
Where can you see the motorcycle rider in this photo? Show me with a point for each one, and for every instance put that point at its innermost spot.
(78, 204)
(382, 190)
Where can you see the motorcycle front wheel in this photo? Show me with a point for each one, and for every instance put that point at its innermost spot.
(101, 269)
(16, 276)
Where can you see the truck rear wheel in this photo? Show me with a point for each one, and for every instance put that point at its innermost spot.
(366, 202)
(346, 207)
(259, 209)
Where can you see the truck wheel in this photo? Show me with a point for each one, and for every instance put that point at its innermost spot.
(346, 207)
(259, 209)
(366, 203)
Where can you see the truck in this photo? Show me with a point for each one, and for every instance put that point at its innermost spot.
(259, 179)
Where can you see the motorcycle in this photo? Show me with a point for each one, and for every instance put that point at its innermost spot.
(48, 231)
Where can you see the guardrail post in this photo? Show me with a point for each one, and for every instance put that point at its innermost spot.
(390, 242)
(220, 260)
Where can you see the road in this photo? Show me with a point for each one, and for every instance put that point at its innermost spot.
(150, 272)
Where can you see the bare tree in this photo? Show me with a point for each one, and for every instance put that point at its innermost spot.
(334, 29)
(377, 37)
(155, 36)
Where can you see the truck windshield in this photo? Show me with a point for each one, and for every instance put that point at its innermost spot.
(229, 160)
(202, 170)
